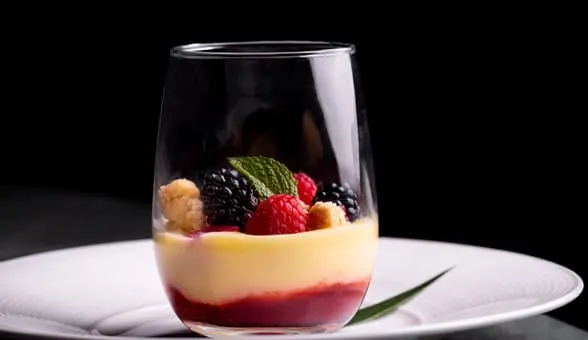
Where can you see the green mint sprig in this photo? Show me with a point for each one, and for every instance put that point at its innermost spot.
(390, 305)
(267, 175)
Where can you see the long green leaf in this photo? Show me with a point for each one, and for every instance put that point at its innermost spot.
(389, 305)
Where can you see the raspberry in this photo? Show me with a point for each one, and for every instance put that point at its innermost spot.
(306, 187)
(341, 195)
(279, 214)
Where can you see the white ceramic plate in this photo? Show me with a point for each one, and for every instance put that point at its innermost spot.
(112, 291)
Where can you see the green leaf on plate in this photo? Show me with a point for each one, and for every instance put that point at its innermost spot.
(390, 305)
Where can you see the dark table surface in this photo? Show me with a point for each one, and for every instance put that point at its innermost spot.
(33, 221)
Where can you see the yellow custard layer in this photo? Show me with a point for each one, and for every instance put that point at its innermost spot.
(223, 266)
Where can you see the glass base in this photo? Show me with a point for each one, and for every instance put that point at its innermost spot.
(216, 331)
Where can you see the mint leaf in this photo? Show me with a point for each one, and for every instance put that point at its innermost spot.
(267, 176)
(390, 305)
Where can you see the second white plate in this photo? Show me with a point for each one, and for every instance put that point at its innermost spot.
(113, 291)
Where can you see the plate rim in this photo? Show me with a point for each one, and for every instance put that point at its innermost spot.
(418, 330)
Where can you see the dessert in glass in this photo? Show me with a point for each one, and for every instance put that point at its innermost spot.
(264, 208)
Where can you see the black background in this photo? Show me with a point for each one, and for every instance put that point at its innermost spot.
(475, 122)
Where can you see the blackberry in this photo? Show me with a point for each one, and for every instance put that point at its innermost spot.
(341, 195)
(228, 198)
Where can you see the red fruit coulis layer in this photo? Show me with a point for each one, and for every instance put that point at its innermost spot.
(323, 304)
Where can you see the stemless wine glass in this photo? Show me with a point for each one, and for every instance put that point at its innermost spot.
(264, 209)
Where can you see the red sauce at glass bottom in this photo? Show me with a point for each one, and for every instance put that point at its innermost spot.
(332, 304)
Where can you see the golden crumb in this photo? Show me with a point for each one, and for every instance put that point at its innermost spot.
(181, 205)
(180, 187)
(324, 215)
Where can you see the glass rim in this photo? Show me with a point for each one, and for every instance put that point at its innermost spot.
(262, 49)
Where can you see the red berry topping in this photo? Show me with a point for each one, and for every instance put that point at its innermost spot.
(210, 229)
(279, 214)
(217, 228)
(306, 187)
